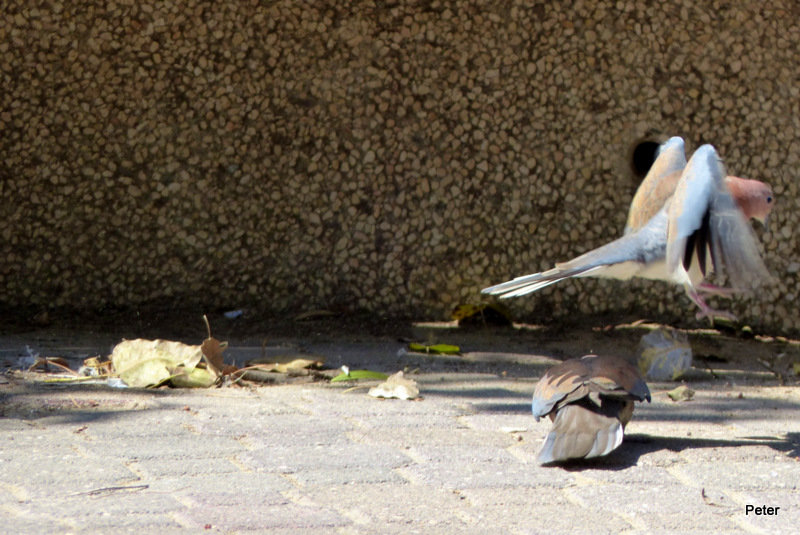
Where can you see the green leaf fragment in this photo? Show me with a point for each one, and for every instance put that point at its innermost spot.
(356, 375)
(444, 349)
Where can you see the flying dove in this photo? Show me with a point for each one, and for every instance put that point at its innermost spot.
(590, 401)
(703, 217)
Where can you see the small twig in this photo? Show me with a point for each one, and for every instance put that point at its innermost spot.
(357, 387)
(208, 325)
(45, 361)
(78, 379)
(110, 490)
(240, 373)
(709, 368)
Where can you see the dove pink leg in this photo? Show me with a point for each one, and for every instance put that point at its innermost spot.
(713, 289)
(705, 310)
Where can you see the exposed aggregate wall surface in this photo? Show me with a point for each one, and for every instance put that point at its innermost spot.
(394, 157)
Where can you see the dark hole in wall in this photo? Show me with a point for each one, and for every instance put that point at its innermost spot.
(643, 156)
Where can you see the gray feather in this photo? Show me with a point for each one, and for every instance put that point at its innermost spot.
(638, 248)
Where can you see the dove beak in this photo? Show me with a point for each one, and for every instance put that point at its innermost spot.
(764, 222)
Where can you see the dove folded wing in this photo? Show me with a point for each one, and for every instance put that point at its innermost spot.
(590, 400)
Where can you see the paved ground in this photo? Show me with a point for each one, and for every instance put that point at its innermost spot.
(315, 457)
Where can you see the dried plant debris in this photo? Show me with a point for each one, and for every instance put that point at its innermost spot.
(290, 363)
(45, 364)
(290, 367)
(681, 393)
(481, 314)
(96, 367)
(396, 386)
(212, 350)
(147, 363)
(665, 354)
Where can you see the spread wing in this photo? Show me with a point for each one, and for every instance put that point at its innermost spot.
(705, 221)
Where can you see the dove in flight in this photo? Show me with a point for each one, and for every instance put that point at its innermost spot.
(590, 401)
(703, 217)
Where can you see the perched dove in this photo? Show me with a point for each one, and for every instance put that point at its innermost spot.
(703, 216)
(590, 401)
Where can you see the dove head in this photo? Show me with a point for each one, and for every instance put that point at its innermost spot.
(755, 198)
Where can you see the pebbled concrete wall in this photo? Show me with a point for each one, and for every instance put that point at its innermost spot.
(388, 156)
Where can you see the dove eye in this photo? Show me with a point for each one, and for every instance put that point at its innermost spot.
(769, 199)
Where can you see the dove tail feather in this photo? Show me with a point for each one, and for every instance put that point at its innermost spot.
(608, 260)
(531, 283)
(580, 432)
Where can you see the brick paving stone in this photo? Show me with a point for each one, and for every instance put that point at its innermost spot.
(232, 518)
(371, 505)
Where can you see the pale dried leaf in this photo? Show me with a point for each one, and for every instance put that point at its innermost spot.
(396, 386)
(195, 378)
(681, 393)
(142, 363)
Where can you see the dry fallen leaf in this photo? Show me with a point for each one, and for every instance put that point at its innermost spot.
(142, 363)
(396, 386)
(212, 353)
(664, 354)
(293, 366)
(195, 378)
(289, 363)
(681, 393)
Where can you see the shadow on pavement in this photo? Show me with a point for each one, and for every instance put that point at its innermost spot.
(636, 445)
(72, 404)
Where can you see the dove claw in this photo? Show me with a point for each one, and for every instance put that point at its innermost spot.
(708, 312)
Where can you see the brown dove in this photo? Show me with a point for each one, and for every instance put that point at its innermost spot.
(590, 401)
(702, 226)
